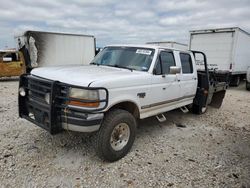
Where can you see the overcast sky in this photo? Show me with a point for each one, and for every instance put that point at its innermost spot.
(113, 21)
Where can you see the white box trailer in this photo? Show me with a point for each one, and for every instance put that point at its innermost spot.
(227, 49)
(43, 49)
(170, 44)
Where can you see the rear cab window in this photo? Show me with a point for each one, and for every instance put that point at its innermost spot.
(186, 63)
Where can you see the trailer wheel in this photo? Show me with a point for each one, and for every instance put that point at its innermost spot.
(235, 81)
(116, 135)
(247, 85)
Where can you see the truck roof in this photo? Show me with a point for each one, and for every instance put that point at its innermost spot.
(218, 30)
(146, 46)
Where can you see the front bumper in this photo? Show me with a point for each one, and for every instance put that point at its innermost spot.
(56, 116)
(90, 123)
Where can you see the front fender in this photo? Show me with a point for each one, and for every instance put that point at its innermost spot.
(121, 99)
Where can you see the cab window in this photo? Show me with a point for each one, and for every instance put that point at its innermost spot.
(164, 62)
(186, 63)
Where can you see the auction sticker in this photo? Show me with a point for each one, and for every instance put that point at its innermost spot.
(143, 51)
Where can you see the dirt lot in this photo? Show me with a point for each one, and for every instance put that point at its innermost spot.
(211, 150)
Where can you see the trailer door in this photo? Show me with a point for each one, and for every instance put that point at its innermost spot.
(218, 48)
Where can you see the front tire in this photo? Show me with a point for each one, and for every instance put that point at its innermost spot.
(116, 135)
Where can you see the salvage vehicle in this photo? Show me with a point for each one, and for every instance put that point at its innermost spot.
(248, 79)
(41, 48)
(11, 63)
(122, 84)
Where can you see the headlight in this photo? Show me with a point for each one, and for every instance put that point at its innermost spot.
(84, 94)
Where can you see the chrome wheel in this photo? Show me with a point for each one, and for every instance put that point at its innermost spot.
(120, 136)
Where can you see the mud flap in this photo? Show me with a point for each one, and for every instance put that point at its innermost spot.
(217, 99)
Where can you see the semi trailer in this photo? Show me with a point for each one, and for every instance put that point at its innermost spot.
(227, 49)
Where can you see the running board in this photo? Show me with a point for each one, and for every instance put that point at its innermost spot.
(161, 118)
(184, 109)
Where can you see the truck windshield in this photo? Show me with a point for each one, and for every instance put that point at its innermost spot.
(132, 58)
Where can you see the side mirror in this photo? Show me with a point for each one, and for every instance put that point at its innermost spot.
(7, 59)
(174, 70)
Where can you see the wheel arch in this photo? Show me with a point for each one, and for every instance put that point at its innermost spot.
(127, 105)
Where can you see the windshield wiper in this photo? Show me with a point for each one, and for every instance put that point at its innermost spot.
(118, 66)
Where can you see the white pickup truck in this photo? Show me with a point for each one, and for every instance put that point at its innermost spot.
(122, 84)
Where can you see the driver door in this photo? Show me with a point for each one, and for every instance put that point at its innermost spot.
(165, 87)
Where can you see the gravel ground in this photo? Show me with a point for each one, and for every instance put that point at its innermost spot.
(210, 150)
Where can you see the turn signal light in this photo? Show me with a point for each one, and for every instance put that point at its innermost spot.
(84, 104)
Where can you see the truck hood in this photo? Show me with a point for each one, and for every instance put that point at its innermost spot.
(83, 75)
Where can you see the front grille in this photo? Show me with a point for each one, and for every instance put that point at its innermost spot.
(38, 88)
(50, 115)
(35, 107)
(39, 110)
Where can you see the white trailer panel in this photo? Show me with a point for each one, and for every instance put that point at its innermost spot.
(241, 57)
(51, 49)
(226, 49)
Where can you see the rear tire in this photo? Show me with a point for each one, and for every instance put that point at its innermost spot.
(116, 135)
(197, 109)
(247, 85)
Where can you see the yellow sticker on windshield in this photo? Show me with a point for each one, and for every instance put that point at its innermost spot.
(143, 51)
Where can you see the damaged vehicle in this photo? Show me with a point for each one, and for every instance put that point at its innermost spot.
(11, 63)
(122, 84)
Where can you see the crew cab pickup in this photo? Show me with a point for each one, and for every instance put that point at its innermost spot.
(122, 84)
